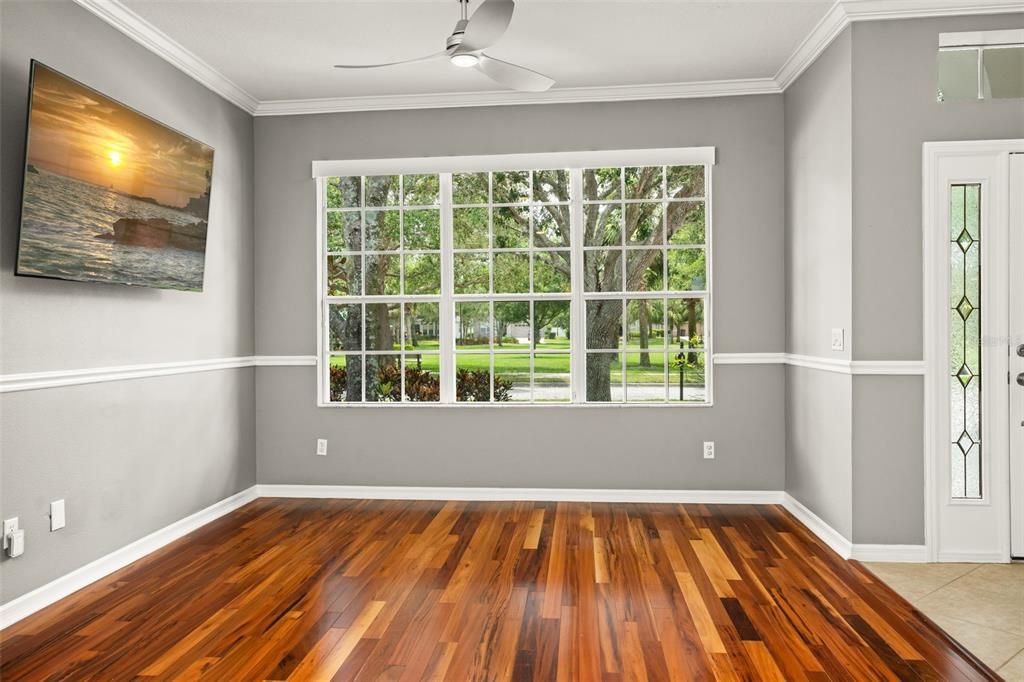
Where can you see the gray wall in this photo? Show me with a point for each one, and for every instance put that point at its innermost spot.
(527, 447)
(854, 249)
(819, 164)
(819, 463)
(128, 457)
(888, 469)
(582, 447)
(895, 112)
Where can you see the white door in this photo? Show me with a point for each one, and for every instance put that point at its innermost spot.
(974, 323)
(1016, 383)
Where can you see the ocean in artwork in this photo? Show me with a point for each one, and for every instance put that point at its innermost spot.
(67, 231)
(110, 194)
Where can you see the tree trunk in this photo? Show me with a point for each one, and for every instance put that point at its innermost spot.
(645, 333)
(385, 339)
(411, 331)
(604, 323)
(598, 385)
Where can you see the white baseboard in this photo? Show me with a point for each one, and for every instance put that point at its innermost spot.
(848, 550)
(826, 533)
(43, 596)
(524, 494)
(915, 554)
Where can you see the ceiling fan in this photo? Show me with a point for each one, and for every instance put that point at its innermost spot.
(465, 48)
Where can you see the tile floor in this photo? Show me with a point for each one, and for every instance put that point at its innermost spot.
(979, 605)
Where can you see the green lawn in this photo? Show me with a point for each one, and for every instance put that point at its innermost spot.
(516, 366)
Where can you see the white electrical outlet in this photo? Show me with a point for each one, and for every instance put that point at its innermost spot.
(16, 544)
(709, 449)
(57, 518)
(321, 447)
(838, 338)
(10, 525)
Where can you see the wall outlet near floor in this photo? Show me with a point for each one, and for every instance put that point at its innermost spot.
(16, 544)
(321, 447)
(10, 527)
(709, 449)
(57, 518)
(838, 338)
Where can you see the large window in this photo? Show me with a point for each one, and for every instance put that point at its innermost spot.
(552, 282)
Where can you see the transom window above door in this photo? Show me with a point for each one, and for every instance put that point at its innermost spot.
(579, 278)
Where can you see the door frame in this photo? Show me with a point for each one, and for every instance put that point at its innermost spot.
(1016, 225)
(987, 519)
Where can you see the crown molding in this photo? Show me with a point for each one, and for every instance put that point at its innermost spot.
(811, 47)
(845, 12)
(156, 41)
(838, 17)
(491, 98)
(879, 10)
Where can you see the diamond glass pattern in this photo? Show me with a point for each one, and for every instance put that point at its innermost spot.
(965, 341)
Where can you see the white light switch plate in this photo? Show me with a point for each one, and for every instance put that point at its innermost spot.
(57, 520)
(838, 338)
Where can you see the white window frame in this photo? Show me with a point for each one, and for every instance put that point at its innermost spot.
(979, 42)
(445, 167)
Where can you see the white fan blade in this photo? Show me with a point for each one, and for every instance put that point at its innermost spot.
(487, 25)
(404, 61)
(515, 77)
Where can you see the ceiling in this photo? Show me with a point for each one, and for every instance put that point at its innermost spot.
(276, 50)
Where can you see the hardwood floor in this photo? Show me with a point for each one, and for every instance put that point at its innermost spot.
(397, 590)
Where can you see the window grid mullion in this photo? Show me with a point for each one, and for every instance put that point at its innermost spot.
(322, 340)
(577, 321)
(401, 239)
(708, 340)
(490, 346)
(624, 351)
(665, 349)
(446, 309)
(533, 339)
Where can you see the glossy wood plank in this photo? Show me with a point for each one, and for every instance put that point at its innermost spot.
(405, 590)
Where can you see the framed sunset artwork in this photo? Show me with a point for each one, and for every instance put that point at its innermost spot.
(109, 194)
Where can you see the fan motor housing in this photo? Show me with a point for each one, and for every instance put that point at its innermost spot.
(455, 39)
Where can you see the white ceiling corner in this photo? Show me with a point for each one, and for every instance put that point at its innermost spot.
(162, 34)
(156, 41)
(845, 12)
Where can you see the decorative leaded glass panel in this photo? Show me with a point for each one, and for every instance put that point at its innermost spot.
(965, 340)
